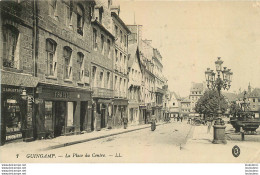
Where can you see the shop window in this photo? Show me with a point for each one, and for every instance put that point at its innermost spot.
(51, 57)
(70, 113)
(67, 63)
(80, 62)
(48, 124)
(80, 20)
(95, 44)
(102, 44)
(13, 119)
(10, 49)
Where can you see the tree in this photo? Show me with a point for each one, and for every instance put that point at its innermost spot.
(209, 103)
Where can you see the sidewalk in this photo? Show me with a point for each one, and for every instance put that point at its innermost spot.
(49, 144)
(201, 149)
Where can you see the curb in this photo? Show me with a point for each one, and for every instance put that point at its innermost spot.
(94, 138)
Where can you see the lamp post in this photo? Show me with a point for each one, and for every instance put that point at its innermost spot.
(223, 80)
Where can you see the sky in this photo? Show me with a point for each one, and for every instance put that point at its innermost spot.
(191, 35)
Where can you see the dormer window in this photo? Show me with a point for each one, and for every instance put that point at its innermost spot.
(80, 19)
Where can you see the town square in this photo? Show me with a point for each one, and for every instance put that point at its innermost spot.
(104, 81)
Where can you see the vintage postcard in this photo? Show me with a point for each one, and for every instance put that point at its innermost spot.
(110, 81)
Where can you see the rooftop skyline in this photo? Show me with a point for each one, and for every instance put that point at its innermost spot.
(191, 35)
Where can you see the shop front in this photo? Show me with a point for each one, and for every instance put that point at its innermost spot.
(133, 113)
(17, 106)
(62, 111)
(16, 114)
(119, 112)
(102, 113)
(143, 117)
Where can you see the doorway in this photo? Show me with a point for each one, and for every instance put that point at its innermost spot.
(59, 121)
(83, 115)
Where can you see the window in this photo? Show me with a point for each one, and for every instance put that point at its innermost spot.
(100, 15)
(108, 80)
(10, 37)
(101, 79)
(125, 40)
(253, 100)
(120, 60)
(108, 48)
(52, 8)
(67, 63)
(121, 36)
(95, 45)
(102, 44)
(115, 86)
(94, 69)
(68, 13)
(51, 59)
(116, 55)
(80, 62)
(173, 104)
(125, 64)
(116, 31)
(80, 19)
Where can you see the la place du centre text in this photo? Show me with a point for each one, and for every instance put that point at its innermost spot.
(39, 156)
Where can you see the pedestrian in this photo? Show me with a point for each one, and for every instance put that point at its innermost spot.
(125, 121)
(181, 119)
(209, 127)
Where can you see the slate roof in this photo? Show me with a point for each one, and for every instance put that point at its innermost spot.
(197, 87)
(255, 93)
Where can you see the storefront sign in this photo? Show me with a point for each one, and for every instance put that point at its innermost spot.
(8, 89)
(60, 94)
(14, 136)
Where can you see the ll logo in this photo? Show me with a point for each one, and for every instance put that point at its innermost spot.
(236, 151)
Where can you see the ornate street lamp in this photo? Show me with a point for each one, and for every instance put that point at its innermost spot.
(223, 80)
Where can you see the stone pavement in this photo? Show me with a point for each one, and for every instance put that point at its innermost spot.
(201, 149)
(49, 144)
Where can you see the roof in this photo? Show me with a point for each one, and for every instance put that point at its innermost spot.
(103, 28)
(197, 87)
(132, 51)
(230, 96)
(185, 100)
(121, 22)
(175, 95)
(255, 93)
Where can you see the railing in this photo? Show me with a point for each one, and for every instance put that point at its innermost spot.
(102, 92)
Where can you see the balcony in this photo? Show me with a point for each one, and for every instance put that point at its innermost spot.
(102, 92)
(118, 94)
(159, 90)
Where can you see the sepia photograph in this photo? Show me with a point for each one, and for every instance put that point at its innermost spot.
(129, 81)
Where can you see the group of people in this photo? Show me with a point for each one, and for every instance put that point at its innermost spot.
(178, 118)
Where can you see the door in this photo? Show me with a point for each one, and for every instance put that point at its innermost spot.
(83, 115)
(59, 121)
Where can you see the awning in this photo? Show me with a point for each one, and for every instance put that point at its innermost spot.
(104, 101)
(18, 79)
(120, 102)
